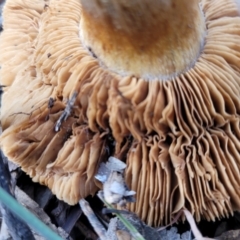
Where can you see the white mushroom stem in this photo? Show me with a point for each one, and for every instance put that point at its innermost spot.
(146, 38)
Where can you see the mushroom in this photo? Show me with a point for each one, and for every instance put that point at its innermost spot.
(158, 86)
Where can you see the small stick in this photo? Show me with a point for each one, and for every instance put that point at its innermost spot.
(67, 111)
(96, 224)
(191, 221)
(195, 230)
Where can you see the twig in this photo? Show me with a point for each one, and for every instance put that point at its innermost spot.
(67, 111)
(191, 221)
(96, 224)
(195, 230)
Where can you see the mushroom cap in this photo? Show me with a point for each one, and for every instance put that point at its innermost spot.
(180, 138)
(138, 37)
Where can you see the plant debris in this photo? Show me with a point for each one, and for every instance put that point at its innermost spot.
(115, 190)
(17, 228)
(67, 111)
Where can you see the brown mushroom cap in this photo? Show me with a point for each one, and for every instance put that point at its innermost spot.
(139, 38)
(179, 138)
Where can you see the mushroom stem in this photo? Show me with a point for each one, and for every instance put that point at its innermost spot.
(146, 38)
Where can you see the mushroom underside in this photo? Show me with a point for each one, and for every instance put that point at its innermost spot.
(180, 138)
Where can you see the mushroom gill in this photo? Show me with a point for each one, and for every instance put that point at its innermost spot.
(178, 131)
